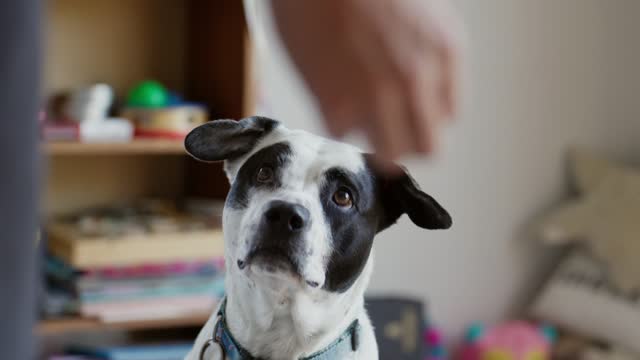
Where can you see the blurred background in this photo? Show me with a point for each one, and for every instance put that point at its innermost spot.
(125, 80)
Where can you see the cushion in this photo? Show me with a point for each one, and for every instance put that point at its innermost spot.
(580, 298)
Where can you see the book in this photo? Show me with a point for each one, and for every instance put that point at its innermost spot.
(106, 292)
(137, 248)
(200, 267)
(60, 131)
(146, 289)
(134, 233)
(150, 309)
(398, 324)
(139, 352)
(61, 271)
(62, 276)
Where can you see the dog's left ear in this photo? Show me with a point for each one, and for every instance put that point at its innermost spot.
(400, 194)
(227, 139)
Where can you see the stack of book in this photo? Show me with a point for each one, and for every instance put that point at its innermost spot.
(135, 263)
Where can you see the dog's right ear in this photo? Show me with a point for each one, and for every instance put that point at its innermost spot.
(399, 194)
(227, 139)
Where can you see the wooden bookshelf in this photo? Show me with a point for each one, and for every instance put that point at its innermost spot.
(136, 147)
(204, 56)
(79, 324)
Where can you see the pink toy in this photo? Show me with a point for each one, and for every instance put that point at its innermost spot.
(435, 345)
(433, 337)
(516, 340)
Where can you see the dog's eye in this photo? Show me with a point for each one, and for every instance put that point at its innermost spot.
(343, 198)
(265, 174)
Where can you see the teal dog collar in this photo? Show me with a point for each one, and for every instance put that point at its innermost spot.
(346, 343)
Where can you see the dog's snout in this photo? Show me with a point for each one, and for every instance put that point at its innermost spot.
(286, 217)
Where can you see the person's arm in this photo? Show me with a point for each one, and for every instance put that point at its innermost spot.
(389, 68)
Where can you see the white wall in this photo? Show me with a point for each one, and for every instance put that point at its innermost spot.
(542, 75)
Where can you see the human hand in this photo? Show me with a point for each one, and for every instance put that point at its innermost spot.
(388, 68)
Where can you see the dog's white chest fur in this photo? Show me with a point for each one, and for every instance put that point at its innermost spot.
(288, 325)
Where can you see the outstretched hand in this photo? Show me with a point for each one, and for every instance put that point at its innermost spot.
(388, 68)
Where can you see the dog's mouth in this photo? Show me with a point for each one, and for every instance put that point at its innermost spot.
(271, 259)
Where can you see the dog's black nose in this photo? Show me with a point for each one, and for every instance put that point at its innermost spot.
(286, 217)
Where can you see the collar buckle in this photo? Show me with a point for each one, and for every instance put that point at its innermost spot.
(215, 339)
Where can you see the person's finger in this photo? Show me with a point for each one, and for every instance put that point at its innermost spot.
(425, 92)
(387, 166)
(385, 97)
(391, 122)
(379, 161)
(450, 70)
(445, 35)
(425, 104)
(449, 37)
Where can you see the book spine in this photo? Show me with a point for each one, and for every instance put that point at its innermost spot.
(195, 246)
(144, 293)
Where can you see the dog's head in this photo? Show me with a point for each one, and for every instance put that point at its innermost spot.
(304, 208)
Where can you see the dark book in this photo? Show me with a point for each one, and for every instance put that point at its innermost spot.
(399, 325)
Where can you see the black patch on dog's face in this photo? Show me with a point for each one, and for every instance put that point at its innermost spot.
(352, 229)
(379, 199)
(276, 157)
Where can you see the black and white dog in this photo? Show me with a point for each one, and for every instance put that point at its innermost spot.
(299, 223)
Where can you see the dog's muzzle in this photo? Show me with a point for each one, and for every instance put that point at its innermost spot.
(279, 239)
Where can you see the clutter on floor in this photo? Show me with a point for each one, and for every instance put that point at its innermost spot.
(515, 340)
(604, 217)
(594, 294)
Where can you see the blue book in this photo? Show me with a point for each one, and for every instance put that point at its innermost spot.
(168, 289)
(146, 352)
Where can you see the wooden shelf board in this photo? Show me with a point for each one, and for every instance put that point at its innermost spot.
(78, 324)
(138, 146)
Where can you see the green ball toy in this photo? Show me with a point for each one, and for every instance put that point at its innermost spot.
(148, 94)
